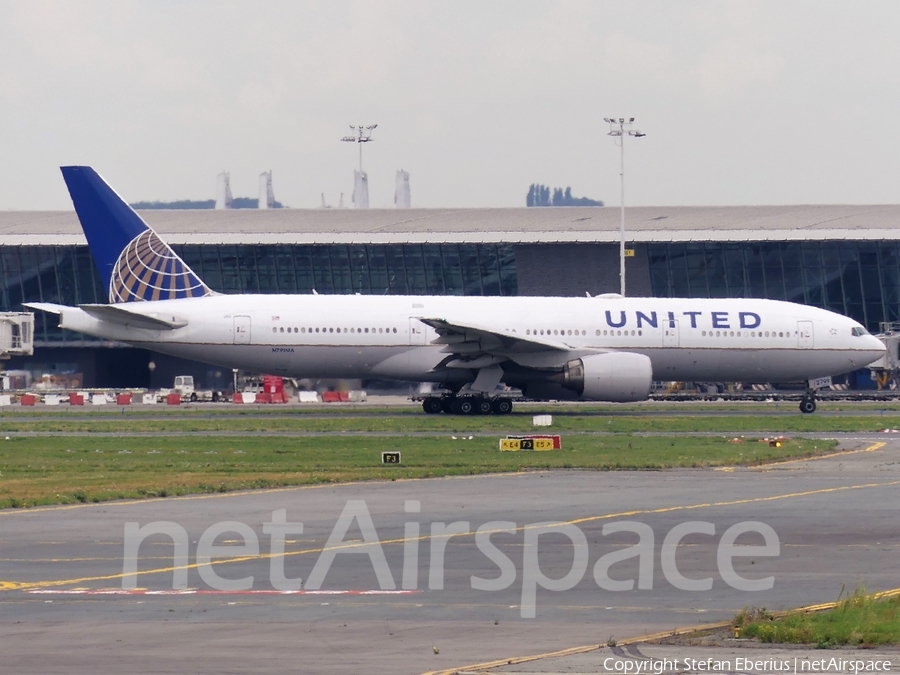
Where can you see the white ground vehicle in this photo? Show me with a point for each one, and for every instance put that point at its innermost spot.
(184, 386)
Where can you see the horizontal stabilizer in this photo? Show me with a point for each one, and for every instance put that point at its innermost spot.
(126, 317)
(46, 307)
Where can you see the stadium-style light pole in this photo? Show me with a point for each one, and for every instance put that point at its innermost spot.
(620, 128)
(361, 134)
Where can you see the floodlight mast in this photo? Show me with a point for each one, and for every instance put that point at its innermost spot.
(620, 128)
(361, 134)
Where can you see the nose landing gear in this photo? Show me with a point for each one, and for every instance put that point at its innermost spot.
(808, 403)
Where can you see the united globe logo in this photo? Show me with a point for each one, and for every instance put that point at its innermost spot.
(149, 270)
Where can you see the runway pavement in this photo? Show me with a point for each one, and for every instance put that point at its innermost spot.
(63, 608)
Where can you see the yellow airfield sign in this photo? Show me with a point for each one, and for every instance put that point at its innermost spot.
(528, 444)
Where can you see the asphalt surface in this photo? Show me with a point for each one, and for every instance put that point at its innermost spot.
(63, 608)
(731, 657)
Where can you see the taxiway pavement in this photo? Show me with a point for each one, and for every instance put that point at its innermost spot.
(63, 608)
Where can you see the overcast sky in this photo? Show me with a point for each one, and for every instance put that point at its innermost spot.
(742, 102)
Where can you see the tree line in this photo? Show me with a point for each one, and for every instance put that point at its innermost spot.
(540, 195)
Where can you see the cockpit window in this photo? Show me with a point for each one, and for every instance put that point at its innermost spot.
(859, 330)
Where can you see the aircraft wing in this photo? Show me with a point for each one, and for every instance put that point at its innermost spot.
(127, 317)
(474, 346)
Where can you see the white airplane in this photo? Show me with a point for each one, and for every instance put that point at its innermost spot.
(605, 348)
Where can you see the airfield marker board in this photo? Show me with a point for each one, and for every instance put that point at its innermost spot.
(530, 444)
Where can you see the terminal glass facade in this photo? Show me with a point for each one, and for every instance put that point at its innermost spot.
(66, 274)
(860, 279)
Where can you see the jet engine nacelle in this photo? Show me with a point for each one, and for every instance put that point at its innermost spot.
(614, 376)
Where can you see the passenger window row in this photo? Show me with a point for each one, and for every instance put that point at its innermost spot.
(293, 329)
(535, 331)
(621, 332)
(710, 333)
(725, 333)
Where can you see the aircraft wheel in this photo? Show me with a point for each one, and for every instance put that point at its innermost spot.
(448, 405)
(432, 405)
(502, 406)
(483, 406)
(808, 405)
(465, 406)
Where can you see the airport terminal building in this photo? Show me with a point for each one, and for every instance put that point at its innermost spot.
(842, 258)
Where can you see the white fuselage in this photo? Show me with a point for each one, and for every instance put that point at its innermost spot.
(356, 336)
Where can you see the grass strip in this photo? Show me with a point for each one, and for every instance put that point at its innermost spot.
(562, 423)
(61, 470)
(857, 620)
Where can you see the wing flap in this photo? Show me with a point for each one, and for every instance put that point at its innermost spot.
(468, 338)
(475, 347)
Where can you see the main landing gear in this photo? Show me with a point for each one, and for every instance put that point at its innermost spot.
(808, 403)
(467, 405)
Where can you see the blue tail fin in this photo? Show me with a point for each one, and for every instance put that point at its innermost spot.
(134, 263)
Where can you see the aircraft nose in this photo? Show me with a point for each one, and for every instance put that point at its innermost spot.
(875, 344)
(872, 349)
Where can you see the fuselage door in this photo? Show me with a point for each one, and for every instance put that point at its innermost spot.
(670, 333)
(805, 334)
(417, 331)
(242, 330)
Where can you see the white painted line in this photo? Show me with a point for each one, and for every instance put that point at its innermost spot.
(197, 591)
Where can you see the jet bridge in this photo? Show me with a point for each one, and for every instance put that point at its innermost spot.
(16, 334)
(886, 369)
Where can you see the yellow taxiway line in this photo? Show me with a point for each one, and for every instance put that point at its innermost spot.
(779, 462)
(288, 488)
(650, 637)
(841, 453)
(14, 585)
(240, 493)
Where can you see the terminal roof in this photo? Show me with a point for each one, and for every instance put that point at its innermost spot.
(494, 225)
